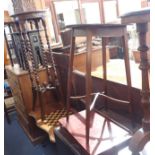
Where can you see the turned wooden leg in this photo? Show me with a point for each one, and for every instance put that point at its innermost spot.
(128, 74)
(144, 66)
(141, 137)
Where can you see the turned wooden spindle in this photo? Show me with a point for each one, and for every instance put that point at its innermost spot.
(54, 72)
(27, 49)
(31, 24)
(144, 66)
(36, 21)
(25, 65)
(30, 52)
(142, 136)
(13, 42)
(36, 87)
(18, 30)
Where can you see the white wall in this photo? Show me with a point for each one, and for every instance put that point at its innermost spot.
(129, 5)
(7, 4)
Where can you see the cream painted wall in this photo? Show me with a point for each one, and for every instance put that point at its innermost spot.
(8, 6)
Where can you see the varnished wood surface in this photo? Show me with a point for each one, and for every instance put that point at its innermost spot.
(100, 141)
(95, 26)
(105, 31)
(140, 16)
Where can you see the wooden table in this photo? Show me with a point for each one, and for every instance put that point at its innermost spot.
(105, 31)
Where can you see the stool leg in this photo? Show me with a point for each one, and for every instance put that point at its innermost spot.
(104, 68)
(70, 70)
(126, 58)
(128, 74)
(88, 85)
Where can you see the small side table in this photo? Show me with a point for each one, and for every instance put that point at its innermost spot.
(105, 32)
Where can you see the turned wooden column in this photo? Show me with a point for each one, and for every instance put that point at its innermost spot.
(142, 18)
(144, 66)
(142, 136)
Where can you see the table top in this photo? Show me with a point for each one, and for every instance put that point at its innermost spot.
(82, 26)
(139, 16)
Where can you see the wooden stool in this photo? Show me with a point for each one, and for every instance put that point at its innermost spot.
(105, 32)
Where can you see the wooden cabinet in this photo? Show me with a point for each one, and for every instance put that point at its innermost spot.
(21, 89)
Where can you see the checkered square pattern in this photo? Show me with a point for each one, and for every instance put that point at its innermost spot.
(53, 118)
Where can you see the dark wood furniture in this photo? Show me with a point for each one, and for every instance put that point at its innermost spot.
(105, 32)
(46, 104)
(32, 28)
(62, 60)
(141, 18)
